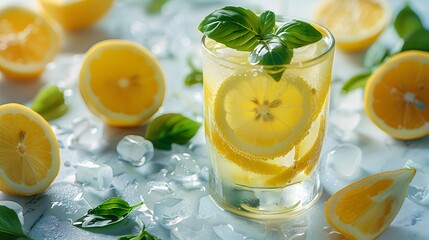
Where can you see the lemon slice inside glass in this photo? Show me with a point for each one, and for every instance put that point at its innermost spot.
(261, 118)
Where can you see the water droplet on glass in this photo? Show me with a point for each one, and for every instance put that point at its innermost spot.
(171, 211)
(344, 161)
(135, 150)
(95, 175)
(418, 190)
(15, 207)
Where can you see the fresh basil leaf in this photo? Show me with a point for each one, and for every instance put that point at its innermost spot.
(143, 235)
(407, 21)
(50, 103)
(298, 34)
(418, 40)
(267, 21)
(10, 226)
(107, 213)
(235, 27)
(357, 81)
(375, 55)
(272, 52)
(155, 6)
(194, 77)
(171, 128)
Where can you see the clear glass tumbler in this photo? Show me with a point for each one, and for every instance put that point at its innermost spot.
(265, 136)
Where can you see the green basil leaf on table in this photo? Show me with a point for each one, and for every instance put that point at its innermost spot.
(50, 103)
(407, 21)
(195, 76)
(298, 34)
(235, 27)
(356, 82)
(375, 55)
(10, 226)
(418, 40)
(107, 213)
(171, 128)
(143, 235)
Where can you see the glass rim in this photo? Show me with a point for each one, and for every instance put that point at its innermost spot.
(307, 63)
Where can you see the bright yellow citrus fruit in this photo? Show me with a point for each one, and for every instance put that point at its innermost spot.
(397, 95)
(29, 151)
(260, 119)
(76, 14)
(121, 82)
(365, 209)
(355, 24)
(27, 43)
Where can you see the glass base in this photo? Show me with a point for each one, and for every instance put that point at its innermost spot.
(266, 203)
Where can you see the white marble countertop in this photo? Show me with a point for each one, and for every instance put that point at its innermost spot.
(47, 216)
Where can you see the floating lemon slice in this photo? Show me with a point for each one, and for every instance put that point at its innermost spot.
(29, 151)
(365, 209)
(260, 118)
(76, 14)
(27, 43)
(397, 95)
(121, 82)
(356, 24)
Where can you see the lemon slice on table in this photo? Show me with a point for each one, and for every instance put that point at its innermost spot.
(121, 82)
(29, 151)
(365, 209)
(259, 118)
(355, 24)
(397, 95)
(27, 43)
(76, 14)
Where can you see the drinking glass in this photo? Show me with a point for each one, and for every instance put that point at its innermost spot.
(264, 136)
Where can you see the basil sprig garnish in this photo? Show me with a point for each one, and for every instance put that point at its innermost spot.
(143, 235)
(243, 30)
(10, 226)
(111, 211)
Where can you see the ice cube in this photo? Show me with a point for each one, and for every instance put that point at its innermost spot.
(15, 207)
(344, 121)
(295, 229)
(171, 211)
(135, 150)
(227, 231)
(193, 229)
(95, 175)
(186, 168)
(418, 190)
(207, 208)
(344, 161)
(86, 136)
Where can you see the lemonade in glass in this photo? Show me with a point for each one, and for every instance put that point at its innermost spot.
(265, 123)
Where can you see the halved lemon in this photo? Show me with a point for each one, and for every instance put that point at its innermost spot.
(29, 151)
(121, 82)
(27, 43)
(76, 14)
(397, 95)
(259, 118)
(365, 209)
(355, 24)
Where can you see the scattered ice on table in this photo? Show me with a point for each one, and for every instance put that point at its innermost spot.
(197, 151)
(161, 175)
(207, 208)
(135, 150)
(95, 175)
(344, 121)
(226, 232)
(186, 168)
(171, 211)
(333, 234)
(86, 136)
(295, 229)
(344, 161)
(418, 191)
(127, 188)
(193, 229)
(66, 200)
(15, 207)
